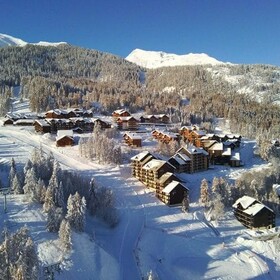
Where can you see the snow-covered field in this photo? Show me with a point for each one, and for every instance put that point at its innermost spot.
(150, 235)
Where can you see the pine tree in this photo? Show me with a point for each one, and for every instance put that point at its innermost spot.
(18, 256)
(217, 207)
(16, 185)
(215, 185)
(185, 203)
(13, 173)
(30, 184)
(76, 207)
(55, 216)
(204, 193)
(28, 165)
(65, 235)
(49, 203)
(92, 197)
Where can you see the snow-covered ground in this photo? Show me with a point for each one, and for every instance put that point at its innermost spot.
(150, 235)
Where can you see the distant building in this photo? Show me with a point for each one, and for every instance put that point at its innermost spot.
(133, 139)
(199, 158)
(64, 138)
(253, 214)
(127, 123)
(42, 126)
(120, 113)
(173, 193)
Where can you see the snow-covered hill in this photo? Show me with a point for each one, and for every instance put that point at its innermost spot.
(154, 59)
(7, 40)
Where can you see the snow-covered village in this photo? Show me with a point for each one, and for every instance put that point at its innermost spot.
(155, 166)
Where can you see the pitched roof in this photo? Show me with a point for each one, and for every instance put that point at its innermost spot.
(120, 111)
(154, 164)
(172, 185)
(217, 147)
(256, 208)
(133, 136)
(194, 150)
(141, 156)
(227, 152)
(127, 118)
(200, 132)
(245, 202)
(164, 177)
(42, 123)
(235, 156)
(62, 133)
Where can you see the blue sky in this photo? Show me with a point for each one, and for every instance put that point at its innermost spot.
(238, 31)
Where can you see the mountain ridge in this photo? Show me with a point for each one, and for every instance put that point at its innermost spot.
(8, 40)
(156, 59)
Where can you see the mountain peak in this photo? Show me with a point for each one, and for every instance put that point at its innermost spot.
(7, 40)
(156, 59)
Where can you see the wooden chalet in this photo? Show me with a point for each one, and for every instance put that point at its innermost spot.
(153, 170)
(137, 163)
(193, 135)
(24, 122)
(235, 160)
(42, 126)
(164, 180)
(101, 123)
(162, 118)
(168, 137)
(181, 162)
(253, 214)
(133, 139)
(8, 121)
(54, 114)
(207, 143)
(120, 113)
(64, 138)
(165, 137)
(173, 193)
(127, 123)
(87, 114)
(157, 134)
(199, 158)
(149, 119)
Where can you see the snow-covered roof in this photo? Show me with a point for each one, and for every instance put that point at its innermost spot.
(154, 164)
(42, 122)
(183, 156)
(195, 150)
(254, 209)
(134, 136)
(171, 186)
(200, 132)
(126, 118)
(245, 201)
(208, 143)
(161, 115)
(23, 121)
(235, 156)
(205, 137)
(140, 156)
(217, 147)
(165, 177)
(120, 111)
(62, 133)
(227, 151)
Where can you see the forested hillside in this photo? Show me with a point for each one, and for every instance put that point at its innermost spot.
(68, 76)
